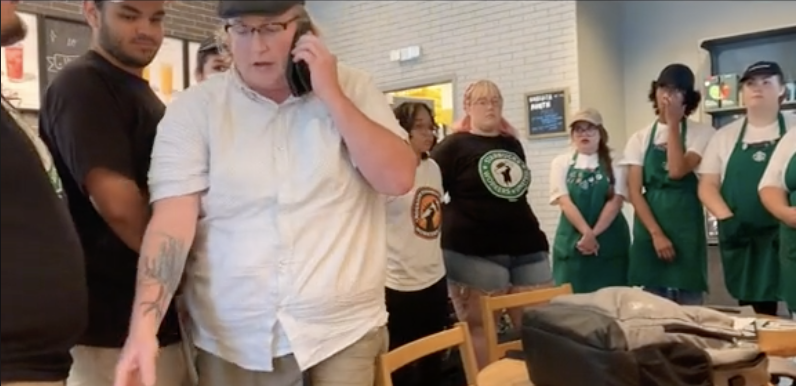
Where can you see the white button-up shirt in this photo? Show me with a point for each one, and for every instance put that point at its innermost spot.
(290, 251)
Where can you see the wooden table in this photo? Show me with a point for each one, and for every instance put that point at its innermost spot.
(505, 372)
(780, 343)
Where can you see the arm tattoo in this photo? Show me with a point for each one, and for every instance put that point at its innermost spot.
(163, 271)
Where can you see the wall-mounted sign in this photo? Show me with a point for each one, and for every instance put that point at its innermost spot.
(547, 112)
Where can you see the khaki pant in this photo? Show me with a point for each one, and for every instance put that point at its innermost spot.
(95, 366)
(354, 366)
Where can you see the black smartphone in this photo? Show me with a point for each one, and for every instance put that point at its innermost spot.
(298, 73)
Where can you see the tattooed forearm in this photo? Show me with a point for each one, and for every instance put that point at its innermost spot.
(162, 272)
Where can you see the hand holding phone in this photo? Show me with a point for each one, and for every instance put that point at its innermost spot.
(298, 73)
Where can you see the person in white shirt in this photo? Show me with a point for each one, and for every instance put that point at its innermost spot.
(592, 241)
(417, 292)
(281, 200)
(668, 256)
(778, 194)
(731, 168)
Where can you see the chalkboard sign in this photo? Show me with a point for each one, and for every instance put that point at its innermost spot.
(61, 42)
(547, 112)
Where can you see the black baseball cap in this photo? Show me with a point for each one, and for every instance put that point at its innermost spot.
(762, 69)
(678, 76)
(228, 9)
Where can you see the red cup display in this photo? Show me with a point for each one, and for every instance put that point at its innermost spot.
(15, 65)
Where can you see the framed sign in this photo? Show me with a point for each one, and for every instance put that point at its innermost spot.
(20, 68)
(166, 73)
(547, 112)
(62, 41)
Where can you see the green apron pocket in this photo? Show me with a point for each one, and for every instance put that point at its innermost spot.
(731, 233)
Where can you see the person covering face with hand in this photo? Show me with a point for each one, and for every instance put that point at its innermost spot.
(730, 172)
(669, 251)
(593, 238)
(286, 221)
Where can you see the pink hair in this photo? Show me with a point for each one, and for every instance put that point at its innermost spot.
(464, 124)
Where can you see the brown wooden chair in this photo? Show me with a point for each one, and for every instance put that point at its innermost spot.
(492, 304)
(459, 336)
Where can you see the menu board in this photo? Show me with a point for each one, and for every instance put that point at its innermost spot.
(63, 41)
(547, 112)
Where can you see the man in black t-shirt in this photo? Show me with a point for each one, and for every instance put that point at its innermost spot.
(44, 292)
(99, 118)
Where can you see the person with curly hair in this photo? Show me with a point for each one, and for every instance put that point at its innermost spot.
(668, 256)
(415, 269)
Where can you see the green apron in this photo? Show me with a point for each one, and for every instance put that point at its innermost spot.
(787, 251)
(588, 190)
(749, 240)
(676, 208)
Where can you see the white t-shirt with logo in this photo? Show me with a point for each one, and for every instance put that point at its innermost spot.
(414, 255)
(721, 146)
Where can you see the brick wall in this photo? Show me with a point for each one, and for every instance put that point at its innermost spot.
(523, 46)
(193, 20)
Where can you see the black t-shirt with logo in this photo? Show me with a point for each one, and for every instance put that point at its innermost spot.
(95, 115)
(487, 180)
(44, 288)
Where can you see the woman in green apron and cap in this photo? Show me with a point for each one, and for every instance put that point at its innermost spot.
(731, 169)
(668, 256)
(593, 238)
(778, 193)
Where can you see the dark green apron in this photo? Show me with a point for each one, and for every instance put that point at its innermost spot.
(749, 240)
(588, 190)
(787, 251)
(676, 208)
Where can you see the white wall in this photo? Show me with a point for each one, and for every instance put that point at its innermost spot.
(657, 33)
(606, 52)
(523, 46)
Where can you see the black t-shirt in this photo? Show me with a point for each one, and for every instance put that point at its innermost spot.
(487, 180)
(95, 115)
(44, 290)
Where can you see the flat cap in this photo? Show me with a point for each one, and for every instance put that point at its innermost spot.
(235, 8)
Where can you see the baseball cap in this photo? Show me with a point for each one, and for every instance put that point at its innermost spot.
(678, 76)
(234, 8)
(762, 69)
(587, 115)
(209, 44)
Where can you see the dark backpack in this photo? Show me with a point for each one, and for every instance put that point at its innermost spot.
(627, 337)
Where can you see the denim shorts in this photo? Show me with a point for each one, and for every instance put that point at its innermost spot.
(498, 272)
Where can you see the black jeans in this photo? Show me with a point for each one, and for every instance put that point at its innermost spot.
(414, 315)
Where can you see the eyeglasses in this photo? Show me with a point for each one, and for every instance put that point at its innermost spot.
(587, 130)
(264, 30)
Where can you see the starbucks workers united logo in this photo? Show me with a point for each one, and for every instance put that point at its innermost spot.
(504, 174)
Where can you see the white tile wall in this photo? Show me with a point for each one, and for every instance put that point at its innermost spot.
(523, 46)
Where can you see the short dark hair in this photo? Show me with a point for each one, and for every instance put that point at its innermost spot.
(691, 98)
